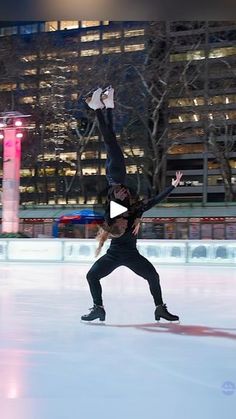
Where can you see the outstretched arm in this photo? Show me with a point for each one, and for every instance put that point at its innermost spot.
(146, 204)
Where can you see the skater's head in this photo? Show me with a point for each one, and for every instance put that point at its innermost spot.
(119, 193)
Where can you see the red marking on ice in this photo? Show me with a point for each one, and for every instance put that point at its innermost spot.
(177, 329)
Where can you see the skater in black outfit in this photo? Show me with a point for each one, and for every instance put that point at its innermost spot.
(122, 229)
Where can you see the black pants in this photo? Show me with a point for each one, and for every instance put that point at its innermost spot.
(115, 164)
(134, 261)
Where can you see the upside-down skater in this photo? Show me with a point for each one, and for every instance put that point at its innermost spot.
(122, 230)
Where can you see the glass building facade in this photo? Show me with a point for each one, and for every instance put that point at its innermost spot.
(54, 62)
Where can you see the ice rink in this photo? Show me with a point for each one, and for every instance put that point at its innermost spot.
(52, 366)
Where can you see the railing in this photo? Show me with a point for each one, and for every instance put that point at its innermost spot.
(161, 252)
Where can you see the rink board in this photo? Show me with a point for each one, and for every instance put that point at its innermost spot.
(203, 252)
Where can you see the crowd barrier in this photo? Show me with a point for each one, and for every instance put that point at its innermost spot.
(199, 252)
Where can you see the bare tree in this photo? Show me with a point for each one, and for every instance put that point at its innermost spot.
(222, 141)
(144, 87)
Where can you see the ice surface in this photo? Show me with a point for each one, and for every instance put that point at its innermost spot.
(52, 366)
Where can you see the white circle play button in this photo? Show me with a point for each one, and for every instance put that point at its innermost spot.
(116, 209)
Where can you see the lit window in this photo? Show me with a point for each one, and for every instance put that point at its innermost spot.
(30, 189)
(46, 70)
(111, 35)
(111, 50)
(188, 56)
(134, 151)
(70, 54)
(187, 133)
(89, 52)
(68, 156)
(89, 23)
(186, 102)
(29, 72)
(222, 52)
(51, 26)
(68, 68)
(11, 30)
(28, 58)
(103, 171)
(134, 47)
(91, 200)
(186, 149)
(90, 36)
(70, 172)
(133, 32)
(231, 115)
(7, 87)
(50, 55)
(55, 127)
(28, 99)
(89, 170)
(31, 125)
(131, 169)
(215, 100)
(44, 84)
(64, 69)
(27, 29)
(69, 24)
(26, 172)
(105, 22)
(184, 118)
(25, 86)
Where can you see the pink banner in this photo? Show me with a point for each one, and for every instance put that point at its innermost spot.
(11, 178)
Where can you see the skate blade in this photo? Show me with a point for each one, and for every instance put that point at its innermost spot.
(94, 322)
(164, 321)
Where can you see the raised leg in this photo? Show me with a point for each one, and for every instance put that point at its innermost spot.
(115, 166)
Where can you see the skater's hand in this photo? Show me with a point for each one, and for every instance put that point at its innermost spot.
(120, 194)
(136, 226)
(176, 181)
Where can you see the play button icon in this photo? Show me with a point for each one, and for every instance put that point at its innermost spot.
(116, 209)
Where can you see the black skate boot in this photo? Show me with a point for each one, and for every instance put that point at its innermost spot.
(96, 312)
(162, 312)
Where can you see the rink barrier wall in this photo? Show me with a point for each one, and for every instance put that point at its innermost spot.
(161, 252)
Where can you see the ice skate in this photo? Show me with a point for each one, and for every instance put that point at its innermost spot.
(162, 312)
(108, 97)
(96, 312)
(95, 102)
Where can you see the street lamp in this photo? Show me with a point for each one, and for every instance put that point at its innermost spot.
(11, 127)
